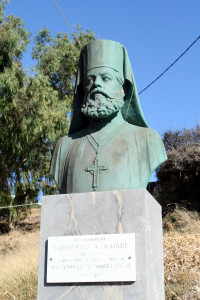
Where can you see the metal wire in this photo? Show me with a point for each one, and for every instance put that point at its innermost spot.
(67, 23)
(168, 67)
(2, 207)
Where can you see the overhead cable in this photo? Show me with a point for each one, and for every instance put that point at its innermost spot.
(67, 23)
(11, 206)
(156, 77)
(168, 67)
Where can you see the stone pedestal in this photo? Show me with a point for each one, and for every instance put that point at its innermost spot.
(110, 212)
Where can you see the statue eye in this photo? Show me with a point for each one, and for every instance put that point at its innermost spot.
(106, 78)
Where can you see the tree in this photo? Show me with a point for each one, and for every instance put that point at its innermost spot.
(34, 107)
(57, 59)
(179, 176)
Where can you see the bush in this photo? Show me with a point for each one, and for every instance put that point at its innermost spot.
(179, 176)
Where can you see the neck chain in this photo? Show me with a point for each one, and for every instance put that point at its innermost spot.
(96, 168)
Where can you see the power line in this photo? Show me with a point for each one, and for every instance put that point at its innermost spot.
(168, 67)
(156, 77)
(67, 23)
(11, 206)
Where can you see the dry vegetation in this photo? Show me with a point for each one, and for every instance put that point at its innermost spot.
(19, 258)
(182, 255)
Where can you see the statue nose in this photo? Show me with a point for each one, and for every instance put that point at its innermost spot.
(97, 81)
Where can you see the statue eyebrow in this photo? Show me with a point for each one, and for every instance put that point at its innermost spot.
(101, 73)
(105, 73)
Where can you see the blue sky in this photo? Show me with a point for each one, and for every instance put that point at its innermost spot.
(154, 32)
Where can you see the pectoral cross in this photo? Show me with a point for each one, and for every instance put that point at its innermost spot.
(95, 170)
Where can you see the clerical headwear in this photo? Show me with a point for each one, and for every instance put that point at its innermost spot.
(110, 54)
(103, 53)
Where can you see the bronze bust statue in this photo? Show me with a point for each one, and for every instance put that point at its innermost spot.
(109, 146)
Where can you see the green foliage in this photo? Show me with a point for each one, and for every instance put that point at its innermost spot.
(34, 108)
(2, 6)
(57, 57)
(13, 41)
(179, 176)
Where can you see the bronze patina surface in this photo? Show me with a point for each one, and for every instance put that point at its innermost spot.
(109, 146)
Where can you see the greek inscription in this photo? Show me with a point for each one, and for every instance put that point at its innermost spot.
(91, 258)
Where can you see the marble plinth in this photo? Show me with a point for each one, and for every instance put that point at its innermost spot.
(110, 212)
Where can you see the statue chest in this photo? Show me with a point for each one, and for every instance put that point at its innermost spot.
(114, 167)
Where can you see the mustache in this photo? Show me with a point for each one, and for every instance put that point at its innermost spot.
(101, 91)
(102, 107)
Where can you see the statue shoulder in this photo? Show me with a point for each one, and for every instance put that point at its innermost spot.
(61, 150)
(154, 135)
(62, 145)
(57, 163)
(143, 131)
(148, 140)
(156, 147)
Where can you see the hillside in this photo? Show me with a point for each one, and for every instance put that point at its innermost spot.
(20, 248)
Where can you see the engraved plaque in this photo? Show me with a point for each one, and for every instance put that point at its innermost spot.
(91, 258)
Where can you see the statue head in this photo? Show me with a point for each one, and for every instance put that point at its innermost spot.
(104, 94)
(104, 85)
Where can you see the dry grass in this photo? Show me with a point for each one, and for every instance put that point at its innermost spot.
(182, 220)
(19, 263)
(19, 258)
(182, 255)
(182, 264)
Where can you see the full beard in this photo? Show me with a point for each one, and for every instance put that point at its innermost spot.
(101, 106)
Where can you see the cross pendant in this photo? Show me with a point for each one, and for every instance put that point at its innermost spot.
(95, 170)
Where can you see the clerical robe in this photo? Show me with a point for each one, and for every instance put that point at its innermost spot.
(129, 157)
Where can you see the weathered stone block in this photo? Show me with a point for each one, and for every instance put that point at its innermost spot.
(124, 211)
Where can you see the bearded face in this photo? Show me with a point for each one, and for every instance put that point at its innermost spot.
(104, 95)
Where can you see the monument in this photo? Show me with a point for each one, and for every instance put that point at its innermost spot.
(109, 145)
(102, 167)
